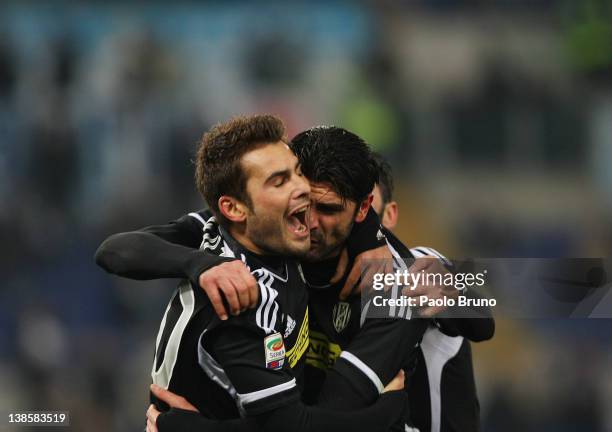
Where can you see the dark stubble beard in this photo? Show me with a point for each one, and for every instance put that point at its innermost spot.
(267, 234)
(338, 238)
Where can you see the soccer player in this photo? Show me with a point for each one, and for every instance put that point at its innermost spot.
(251, 364)
(342, 172)
(342, 198)
(442, 390)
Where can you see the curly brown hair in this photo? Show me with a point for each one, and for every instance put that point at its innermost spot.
(218, 169)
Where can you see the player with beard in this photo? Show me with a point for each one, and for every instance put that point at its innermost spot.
(363, 365)
(250, 365)
(342, 172)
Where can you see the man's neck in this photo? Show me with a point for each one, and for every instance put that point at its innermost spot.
(238, 234)
(319, 273)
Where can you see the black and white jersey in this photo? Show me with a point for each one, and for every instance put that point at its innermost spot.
(442, 389)
(247, 364)
(440, 378)
(341, 336)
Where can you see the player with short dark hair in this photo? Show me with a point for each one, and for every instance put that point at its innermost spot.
(335, 324)
(218, 164)
(250, 365)
(339, 158)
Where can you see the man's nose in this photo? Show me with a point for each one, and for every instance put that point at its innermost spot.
(313, 219)
(302, 189)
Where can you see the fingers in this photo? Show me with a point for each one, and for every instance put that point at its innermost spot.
(214, 296)
(152, 414)
(244, 285)
(422, 263)
(341, 268)
(151, 427)
(367, 280)
(388, 268)
(430, 311)
(378, 266)
(172, 399)
(379, 260)
(230, 292)
(416, 291)
(248, 291)
(230, 281)
(252, 289)
(396, 383)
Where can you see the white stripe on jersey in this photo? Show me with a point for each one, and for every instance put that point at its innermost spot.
(162, 376)
(246, 398)
(268, 296)
(355, 361)
(421, 251)
(398, 265)
(211, 242)
(198, 217)
(437, 349)
(267, 310)
(263, 292)
(274, 315)
(272, 294)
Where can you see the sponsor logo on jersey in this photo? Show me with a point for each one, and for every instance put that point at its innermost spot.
(341, 315)
(275, 351)
(301, 344)
(380, 236)
(322, 353)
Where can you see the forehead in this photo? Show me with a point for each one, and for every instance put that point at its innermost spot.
(268, 158)
(323, 193)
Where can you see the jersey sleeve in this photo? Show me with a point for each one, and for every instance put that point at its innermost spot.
(190, 421)
(185, 231)
(474, 323)
(388, 413)
(250, 363)
(160, 251)
(379, 350)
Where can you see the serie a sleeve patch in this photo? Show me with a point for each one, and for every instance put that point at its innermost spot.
(274, 348)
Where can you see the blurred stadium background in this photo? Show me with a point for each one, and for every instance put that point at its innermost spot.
(496, 116)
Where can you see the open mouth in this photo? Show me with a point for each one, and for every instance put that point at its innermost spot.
(298, 220)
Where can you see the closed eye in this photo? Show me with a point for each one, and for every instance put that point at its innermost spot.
(278, 182)
(329, 208)
(278, 178)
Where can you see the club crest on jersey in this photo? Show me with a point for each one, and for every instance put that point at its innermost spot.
(341, 315)
(275, 351)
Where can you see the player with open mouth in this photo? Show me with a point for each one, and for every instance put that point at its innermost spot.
(251, 364)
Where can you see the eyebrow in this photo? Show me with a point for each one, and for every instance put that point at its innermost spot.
(281, 173)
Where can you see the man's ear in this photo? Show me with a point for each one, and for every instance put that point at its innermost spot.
(364, 206)
(233, 209)
(389, 216)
